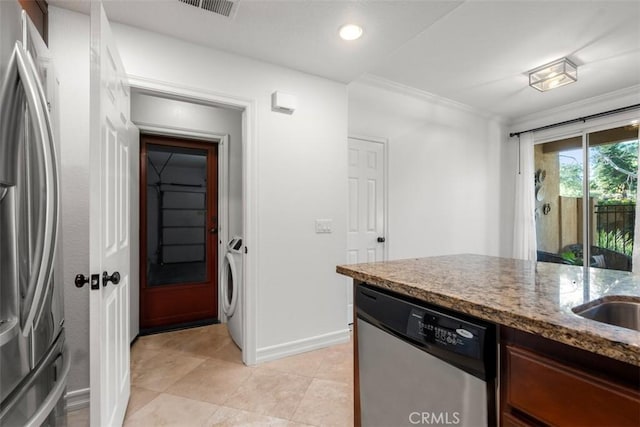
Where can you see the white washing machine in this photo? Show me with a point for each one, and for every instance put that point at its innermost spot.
(231, 289)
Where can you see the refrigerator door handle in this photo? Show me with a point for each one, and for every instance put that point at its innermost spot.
(20, 68)
(11, 114)
(49, 149)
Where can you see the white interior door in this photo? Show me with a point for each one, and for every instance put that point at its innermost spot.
(134, 218)
(111, 151)
(366, 225)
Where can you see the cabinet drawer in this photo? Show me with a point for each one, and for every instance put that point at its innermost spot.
(509, 420)
(559, 395)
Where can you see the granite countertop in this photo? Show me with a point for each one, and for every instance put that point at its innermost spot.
(535, 297)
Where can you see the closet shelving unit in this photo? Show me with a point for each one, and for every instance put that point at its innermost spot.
(179, 188)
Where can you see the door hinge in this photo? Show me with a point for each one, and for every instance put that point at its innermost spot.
(246, 250)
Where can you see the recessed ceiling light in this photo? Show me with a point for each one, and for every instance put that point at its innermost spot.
(350, 32)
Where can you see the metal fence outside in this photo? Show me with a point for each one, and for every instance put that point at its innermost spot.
(615, 227)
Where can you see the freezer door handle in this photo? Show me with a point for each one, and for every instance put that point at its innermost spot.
(56, 351)
(53, 397)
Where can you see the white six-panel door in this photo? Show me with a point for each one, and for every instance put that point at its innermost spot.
(111, 151)
(366, 222)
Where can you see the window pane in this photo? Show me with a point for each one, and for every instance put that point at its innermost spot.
(559, 176)
(176, 215)
(610, 204)
(613, 182)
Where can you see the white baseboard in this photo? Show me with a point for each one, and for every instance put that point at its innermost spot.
(77, 399)
(291, 348)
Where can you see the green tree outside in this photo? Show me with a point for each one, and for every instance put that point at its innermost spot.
(613, 174)
(613, 180)
(615, 171)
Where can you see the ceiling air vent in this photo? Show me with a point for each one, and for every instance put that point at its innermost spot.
(221, 7)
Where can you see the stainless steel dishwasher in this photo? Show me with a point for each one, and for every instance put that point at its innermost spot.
(422, 364)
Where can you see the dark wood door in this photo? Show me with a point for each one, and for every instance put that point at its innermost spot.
(178, 232)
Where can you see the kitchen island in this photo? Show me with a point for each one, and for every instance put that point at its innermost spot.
(533, 305)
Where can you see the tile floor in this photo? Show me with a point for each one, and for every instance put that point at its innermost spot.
(196, 377)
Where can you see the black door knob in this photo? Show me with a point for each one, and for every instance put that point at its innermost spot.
(81, 280)
(381, 240)
(114, 278)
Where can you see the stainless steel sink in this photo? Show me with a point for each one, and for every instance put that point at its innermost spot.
(620, 313)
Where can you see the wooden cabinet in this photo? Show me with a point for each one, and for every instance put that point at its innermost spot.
(547, 383)
(38, 11)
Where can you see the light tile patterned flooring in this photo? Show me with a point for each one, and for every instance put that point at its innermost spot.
(196, 377)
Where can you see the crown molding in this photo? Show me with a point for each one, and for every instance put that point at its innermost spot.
(390, 85)
(584, 107)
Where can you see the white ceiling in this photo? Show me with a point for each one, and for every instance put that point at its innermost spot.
(475, 52)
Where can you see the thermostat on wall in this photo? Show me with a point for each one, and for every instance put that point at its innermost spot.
(283, 102)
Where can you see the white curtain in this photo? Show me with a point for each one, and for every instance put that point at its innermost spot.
(635, 259)
(524, 230)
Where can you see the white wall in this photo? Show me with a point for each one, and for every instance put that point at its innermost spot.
(69, 44)
(302, 173)
(302, 170)
(444, 171)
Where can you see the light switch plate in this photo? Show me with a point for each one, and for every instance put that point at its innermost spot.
(324, 226)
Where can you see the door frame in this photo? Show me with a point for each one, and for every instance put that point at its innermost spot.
(222, 140)
(178, 141)
(248, 107)
(385, 206)
(385, 187)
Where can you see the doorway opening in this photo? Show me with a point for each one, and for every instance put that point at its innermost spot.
(179, 232)
(164, 109)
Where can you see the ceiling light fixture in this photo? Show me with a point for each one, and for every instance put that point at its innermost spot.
(555, 74)
(350, 32)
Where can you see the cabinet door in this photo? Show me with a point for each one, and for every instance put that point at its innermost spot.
(38, 11)
(557, 394)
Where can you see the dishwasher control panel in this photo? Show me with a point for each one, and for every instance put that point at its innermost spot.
(457, 338)
(441, 330)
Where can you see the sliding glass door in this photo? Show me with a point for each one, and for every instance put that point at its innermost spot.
(586, 193)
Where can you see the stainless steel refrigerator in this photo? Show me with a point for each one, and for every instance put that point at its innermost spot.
(34, 363)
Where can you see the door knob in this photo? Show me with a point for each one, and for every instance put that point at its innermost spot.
(114, 278)
(381, 240)
(80, 280)
(213, 230)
